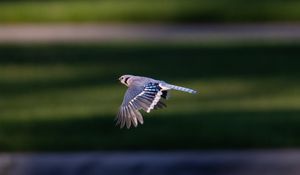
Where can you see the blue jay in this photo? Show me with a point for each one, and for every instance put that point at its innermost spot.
(143, 93)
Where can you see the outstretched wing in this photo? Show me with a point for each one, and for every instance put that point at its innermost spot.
(144, 97)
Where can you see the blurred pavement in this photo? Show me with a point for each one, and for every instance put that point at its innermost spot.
(148, 32)
(274, 162)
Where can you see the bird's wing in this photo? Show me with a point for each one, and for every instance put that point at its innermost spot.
(139, 97)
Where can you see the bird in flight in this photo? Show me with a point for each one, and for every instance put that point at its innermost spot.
(143, 93)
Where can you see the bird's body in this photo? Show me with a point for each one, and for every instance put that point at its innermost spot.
(143, 93)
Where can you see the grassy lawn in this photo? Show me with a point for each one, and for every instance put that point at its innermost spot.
(65, 97)
(148, 11)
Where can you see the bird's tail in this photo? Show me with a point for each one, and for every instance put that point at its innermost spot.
(179, 88)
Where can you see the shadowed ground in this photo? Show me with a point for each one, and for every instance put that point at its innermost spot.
(146, 163)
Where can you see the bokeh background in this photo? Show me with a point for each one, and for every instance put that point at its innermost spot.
(63, 96)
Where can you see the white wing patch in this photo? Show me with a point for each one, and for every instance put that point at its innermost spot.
(155, 101)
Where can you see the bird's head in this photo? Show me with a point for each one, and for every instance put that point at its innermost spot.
(124, 79)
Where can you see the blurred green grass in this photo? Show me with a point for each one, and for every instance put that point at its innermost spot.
(148, 11)
(65, 97)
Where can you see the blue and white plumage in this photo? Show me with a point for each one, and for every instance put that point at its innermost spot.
(143, 93)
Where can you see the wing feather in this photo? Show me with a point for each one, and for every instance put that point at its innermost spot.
(146, 97)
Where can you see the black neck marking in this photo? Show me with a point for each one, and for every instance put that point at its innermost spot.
(126, 79)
